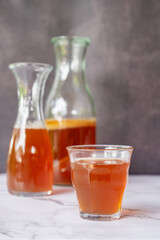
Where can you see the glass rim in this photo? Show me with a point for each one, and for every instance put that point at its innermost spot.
(100, 147)
(24, 64)
(74, 39)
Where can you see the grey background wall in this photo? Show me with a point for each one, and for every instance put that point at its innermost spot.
(123, 66)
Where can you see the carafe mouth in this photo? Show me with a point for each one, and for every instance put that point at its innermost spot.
(70, 39)
(40, 66)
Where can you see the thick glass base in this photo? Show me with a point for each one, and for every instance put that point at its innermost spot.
(62, 184)
(31, 194)
(97, 217)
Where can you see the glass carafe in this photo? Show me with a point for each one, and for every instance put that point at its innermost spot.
(69, 110)
(29, 163)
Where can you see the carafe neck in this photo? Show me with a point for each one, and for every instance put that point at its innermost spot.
(70, 58)
(31, 78)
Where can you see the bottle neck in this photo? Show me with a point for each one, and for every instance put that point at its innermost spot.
(30, 107)
(69, 96)
(70, 62)
(30, 78)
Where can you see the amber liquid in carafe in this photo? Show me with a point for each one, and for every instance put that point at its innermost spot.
(99, 184)
(29, 163)
(65, 133)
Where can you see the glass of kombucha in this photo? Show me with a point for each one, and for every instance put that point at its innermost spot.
(29, 162)
(69, 110)
(99, 176)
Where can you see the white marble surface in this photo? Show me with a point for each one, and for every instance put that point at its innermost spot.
(57, 216)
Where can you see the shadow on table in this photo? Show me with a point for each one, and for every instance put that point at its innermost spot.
(149, 211)
(62, 190)
(132, 213)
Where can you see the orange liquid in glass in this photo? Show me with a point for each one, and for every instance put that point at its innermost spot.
(29, 163)
(99, 185)
(65, 133)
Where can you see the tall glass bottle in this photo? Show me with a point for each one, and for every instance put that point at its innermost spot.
(69, 110)
(29, 163)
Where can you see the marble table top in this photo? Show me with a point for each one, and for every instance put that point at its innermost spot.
(57, 216)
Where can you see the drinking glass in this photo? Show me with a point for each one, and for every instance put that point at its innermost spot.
(99, 176)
